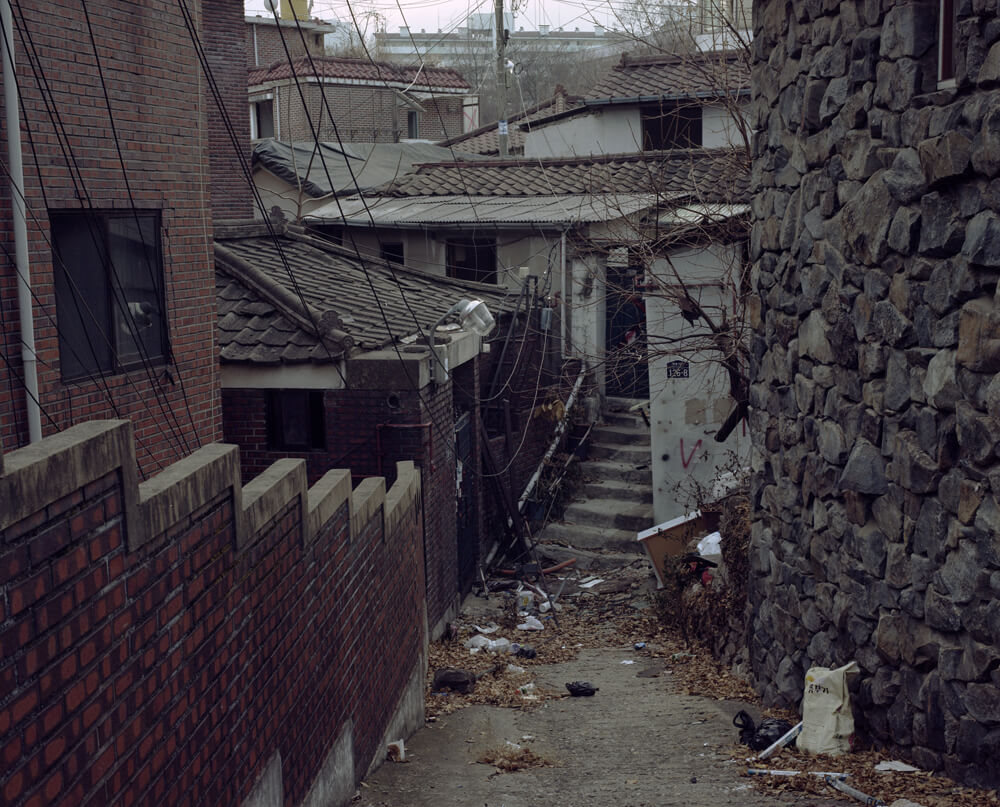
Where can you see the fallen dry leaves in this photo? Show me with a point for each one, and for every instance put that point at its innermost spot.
(509, 758)
(926, 788)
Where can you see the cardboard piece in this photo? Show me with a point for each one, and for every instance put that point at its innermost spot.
(672, 538)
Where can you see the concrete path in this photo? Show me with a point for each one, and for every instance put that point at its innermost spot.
(636, 743)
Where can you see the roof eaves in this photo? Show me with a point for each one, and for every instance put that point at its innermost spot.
(325, 326)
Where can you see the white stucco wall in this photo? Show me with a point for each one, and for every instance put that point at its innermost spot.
(685, 413)
(610, 130)
(275, 191)
(719, 127)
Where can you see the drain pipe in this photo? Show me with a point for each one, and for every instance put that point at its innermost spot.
(24, 309)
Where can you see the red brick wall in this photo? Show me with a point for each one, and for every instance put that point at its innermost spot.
(362, 114)
(367, 434)
(269, 48)
(224, 39)
(173, 673)
(154, 81)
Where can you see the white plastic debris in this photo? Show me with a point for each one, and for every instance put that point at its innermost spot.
(711, 544)
(490, 627)
(396, 751)
(531, 623)
(513, 668)
(593, 581)
(628, 661)
(896, 765)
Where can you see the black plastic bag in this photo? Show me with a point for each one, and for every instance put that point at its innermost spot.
(770, 730)
(580, 689)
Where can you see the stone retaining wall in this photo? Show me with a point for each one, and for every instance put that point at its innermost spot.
(875, 407)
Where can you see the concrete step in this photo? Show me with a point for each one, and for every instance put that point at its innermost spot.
(587, 559)
(599, 470)
(618, 491)
(581, 537)
(621, 435)
(638, 455)
(623, 419)
(621, 515)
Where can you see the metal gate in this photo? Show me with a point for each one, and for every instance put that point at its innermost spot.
(466, 511)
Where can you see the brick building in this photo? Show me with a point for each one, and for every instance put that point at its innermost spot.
(127, 194)
(265, 44)
(346, 380)
(375, 102)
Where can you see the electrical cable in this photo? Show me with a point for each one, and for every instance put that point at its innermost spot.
(116, 288)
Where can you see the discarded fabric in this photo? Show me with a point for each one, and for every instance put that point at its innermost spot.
(760, 737)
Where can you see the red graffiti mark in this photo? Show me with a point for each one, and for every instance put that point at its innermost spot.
(686, 461)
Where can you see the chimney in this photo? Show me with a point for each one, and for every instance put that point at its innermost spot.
(295, 9)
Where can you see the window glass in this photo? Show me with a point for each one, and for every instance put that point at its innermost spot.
(296, 419)
(108, 277)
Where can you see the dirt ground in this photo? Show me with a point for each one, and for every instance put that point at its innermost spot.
(642, 740)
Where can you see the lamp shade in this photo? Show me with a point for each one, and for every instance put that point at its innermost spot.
(475, 316)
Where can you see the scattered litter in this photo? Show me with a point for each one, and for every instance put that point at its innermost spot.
(581, 689)
(454, 679)
(526, 689)
(760, 737)
(490, 627)
(531, 623)
(896, 765)
(639, 645)
(711, 544)
(680, 656)
(828, 722)
(781, 742)
(843, 787)
(525, 599)
(523, 651)
(768, 772)
(527, 738)
(396, 751)
(591, 582)
(508, 759)
(628, 661)
(513, 668)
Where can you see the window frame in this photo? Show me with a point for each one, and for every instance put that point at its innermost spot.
(473, 272)
(255, 128)
(674, 120)
(313, 418)
(102, 309)
(412, 124)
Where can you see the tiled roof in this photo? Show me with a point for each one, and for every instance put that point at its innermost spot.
(261, 319)
(486, 140)
(710, 174)
(360, 70)
(689, 75)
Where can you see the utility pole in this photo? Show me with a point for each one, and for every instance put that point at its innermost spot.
(501, 79)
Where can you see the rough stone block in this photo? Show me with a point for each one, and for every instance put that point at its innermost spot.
(979, 336)
(945, 156)
(982, 239)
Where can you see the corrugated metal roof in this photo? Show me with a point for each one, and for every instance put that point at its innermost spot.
(698, 213)
(567, 209)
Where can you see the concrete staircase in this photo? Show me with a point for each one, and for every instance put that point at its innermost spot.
(616, 497)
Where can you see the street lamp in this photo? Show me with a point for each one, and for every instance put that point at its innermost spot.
(473, 315)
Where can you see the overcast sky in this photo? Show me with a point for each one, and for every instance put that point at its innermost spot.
(446, 14)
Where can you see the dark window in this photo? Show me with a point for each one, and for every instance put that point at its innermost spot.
(946, 40)
(412, 125)
(472, 259)
(263, 116)
(393, 252)
(295, 419)
(670, 126)
(109, 290)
